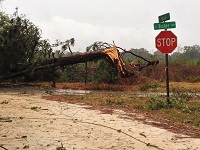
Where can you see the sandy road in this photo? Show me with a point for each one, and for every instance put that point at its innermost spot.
(28, 121)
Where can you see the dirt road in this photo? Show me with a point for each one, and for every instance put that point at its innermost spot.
(28, 121)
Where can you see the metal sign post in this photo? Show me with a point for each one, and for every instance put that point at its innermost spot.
(167, 77)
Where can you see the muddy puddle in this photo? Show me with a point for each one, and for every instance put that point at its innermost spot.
(69, 92)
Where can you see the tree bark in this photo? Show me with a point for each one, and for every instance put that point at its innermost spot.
(78, 58)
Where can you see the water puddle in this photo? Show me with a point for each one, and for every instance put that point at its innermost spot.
(70, 92)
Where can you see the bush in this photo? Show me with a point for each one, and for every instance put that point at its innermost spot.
(105, 72)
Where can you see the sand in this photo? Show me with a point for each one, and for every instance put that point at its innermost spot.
(27, 121)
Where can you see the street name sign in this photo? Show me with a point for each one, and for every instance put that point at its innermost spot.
(166, 42)
(164, 17)
(165, 25)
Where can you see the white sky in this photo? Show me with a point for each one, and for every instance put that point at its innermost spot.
(128, 22)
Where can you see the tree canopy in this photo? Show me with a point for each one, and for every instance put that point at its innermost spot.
(19, 39)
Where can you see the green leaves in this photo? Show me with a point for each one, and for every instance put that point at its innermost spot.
(19, 39)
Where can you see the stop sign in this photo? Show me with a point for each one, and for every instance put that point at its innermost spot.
(166, 42)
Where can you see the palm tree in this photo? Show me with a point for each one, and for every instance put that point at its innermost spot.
(69, 43)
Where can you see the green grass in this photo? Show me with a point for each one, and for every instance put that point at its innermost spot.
(183, 108)
(154, 87)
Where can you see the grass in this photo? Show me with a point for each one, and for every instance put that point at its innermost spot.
(153, 86)
(183, 108)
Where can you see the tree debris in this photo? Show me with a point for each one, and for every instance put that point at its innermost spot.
(106, 51)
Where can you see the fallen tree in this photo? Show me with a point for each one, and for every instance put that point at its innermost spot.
(111, 52)
(55, 62)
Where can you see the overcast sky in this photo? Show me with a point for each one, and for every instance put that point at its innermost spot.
(128, 22)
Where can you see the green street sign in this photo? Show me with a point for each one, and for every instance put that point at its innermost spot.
(164, 17)
(165, 25)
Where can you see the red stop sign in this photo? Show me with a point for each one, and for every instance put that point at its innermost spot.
(166, 42)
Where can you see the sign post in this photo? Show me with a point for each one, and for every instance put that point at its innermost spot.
(165, 42)
(167, 77)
